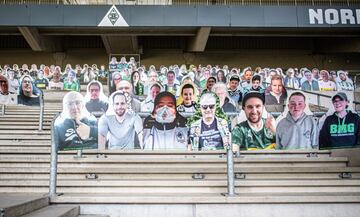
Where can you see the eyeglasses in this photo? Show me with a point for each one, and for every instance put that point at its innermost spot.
(3, 82)
(207, 106)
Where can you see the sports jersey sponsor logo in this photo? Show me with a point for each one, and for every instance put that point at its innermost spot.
(70, 134)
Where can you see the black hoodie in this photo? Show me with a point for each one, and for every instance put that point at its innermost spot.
(340, 132)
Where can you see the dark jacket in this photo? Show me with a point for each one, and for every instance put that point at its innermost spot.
(340, 132)
(66, 137)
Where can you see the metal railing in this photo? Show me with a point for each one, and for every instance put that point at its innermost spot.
(54, 159)
(42, 108)
(189, 2)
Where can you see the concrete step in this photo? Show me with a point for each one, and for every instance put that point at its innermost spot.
(32, 143)
(44, 168)
(24, 123)
(25, 137)
(26, 132)
(30, 119)
(24, 149)
(139, 159)
(209, 198)
(21, 127)
(177, 176)
(93, 215)
(20, 204)
(56, 211)
(165, 183)
(173, 165)
(185, 190)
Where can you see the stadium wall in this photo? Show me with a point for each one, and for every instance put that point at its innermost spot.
(157, 57)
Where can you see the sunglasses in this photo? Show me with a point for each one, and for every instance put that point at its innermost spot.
(207, 106)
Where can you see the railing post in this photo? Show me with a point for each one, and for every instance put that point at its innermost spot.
(3, 110)
(41, 118)
(53, 162)
(230, 173)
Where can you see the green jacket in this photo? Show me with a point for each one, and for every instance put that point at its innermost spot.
(248, 139)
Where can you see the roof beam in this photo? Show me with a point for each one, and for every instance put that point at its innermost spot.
(120, 44)
(33, 38)
(198, 43)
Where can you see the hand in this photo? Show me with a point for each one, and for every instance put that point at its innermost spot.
(270, 124)
(83, 130)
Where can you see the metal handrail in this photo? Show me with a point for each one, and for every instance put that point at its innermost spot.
(54, 159)
(3, 110)
(42, 108)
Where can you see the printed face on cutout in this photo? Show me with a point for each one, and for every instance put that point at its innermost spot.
(208, 107)
(4, 85)
(276, 87)
(120, 105)
(188, 96)
(253, 109)
(155, 90)
(75, 106)
(27, 86)
(339, 104)
(296, 106)
(234, 84)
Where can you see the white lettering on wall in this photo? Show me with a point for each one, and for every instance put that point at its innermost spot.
(347, 15)
(331, 16)
(334, 16)
(318, 15)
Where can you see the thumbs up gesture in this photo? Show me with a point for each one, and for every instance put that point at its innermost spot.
(83, 130)
(270, 124)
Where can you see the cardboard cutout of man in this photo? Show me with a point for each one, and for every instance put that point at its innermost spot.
(95, 100)
(165, 128)
(75, 128)
(342, 128)
(28, 93)
(209, 132)
(256, 132)
(297, 130)
(6, 97)
(120, 126)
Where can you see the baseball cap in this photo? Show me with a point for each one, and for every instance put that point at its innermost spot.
(253, 94)
(235, 77)
(341, 95)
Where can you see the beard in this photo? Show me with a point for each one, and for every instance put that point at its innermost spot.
(254, 118)
(120, 112)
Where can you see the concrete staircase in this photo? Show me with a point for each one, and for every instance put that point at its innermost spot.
(145, 183)
(36, 205)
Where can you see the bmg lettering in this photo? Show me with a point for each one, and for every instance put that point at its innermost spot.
(346, 128)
